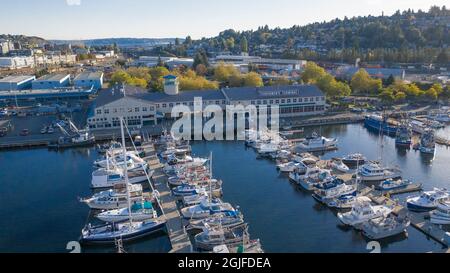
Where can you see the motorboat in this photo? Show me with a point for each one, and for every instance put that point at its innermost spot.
(114, 198)
(216, 236)
(189, 190)
(251, 246)
(309, 177)
(140, 211)
(330, 190)
(440, 116)
(289, 166)
(393, 184)
(338, 165)
(347, 201)
(118, 160)
(441, 216)
(225, 220)
(373, 171)
(384, 227)
(362, 212)
(106, 178)
(316, 143)
(206, 208)
(427, 201)
(126, 231)
(353, 160)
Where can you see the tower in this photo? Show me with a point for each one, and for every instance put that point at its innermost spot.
(171, 85)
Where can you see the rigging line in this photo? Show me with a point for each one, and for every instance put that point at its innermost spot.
(145, 171)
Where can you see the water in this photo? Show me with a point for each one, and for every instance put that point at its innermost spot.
(40, 211)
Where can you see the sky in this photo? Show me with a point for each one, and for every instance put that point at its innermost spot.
(88, 19)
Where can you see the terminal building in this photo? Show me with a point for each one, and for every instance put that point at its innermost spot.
(141, 107)
(13, 83)
(52, 81)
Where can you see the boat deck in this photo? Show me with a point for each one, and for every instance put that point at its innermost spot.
(179, 238)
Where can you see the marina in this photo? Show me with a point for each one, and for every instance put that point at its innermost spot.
(178, 238)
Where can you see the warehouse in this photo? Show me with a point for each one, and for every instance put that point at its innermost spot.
(12, 83)
(52, 81)
(89, 79)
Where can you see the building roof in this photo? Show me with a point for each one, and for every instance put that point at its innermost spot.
(272, 92)
(17, 79)
(350, 71)
(234, 94)
(53, 77)
(88, 75)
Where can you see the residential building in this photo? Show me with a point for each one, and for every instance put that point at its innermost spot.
(16, 62)
(11, 83)
(89, 79)
(52, 81)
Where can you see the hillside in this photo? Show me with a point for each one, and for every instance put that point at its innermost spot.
(403, 36)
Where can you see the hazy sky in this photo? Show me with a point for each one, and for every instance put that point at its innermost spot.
(84, 19)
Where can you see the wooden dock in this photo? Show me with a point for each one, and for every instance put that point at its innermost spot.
(179, 238)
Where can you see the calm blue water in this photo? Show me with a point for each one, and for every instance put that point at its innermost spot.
(40, 211)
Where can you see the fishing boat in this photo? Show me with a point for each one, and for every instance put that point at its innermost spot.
(428, 142)
(330, 190)
(441, 216)
(216, 236)
(338, 165)
(403, 136)
(126, 231)
(417, 126)
(427, 201)
(112, 148)
(384, 227)
(207, 208)
(362, 212)
(353, 160)
(441, 116)
(347, 201)
(373, 171)
(226, 220)
(317, 143)
(140, 211)
(379, 124)
(114, 198)
(79, 138)
(393, 184)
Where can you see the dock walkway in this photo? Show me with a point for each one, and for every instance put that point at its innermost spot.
(179, 238)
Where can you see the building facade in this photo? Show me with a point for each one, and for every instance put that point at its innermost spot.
(13, 83)
(144, 108)
(52, 81)
(89, 79)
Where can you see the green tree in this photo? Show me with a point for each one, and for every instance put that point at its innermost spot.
(244, 44)
(362, 83)
(312, 73)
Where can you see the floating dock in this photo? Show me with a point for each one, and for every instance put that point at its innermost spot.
(178, 236)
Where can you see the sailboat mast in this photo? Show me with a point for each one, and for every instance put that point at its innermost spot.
(210, 176)
(125, 168)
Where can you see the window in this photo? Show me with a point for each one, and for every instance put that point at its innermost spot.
(106, 111)
(99, 111)
(144, 109)
(130, 110)
(191, 103)
(271, 101)
(252, 102)
(283, 101)
(136, 109)
(152, 108)
(288, 100)
(170, 104)
(164, 105)
(115, 110)
(277, 101)
(300, 100)
(264, 102)
(294, 100)
(157, 105)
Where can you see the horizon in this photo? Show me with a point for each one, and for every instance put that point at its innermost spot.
(77, 27)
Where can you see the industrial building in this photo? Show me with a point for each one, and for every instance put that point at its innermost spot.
(263, 64)
(12, 83)
(16, 62)
(347, 72)
(89, 79)
(52, 81)
(141, 107)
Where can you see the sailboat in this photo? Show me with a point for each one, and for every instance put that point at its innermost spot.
(126, 231)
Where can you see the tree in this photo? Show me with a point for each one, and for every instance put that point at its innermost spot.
(387, 96)
(443, 57)
(362, 83)
(223, 72)
(201, 69)
(177, 42)
(188, 41)
(253, 79)
(201, 58)
(312, 73)
(390, 80)
(244, 44)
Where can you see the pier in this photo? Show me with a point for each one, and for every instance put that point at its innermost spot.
(178, 236)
